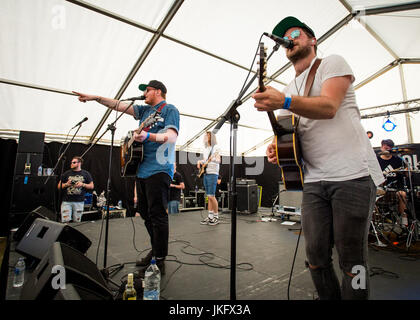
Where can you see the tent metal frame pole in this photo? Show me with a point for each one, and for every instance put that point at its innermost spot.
(407, 116)
(157, 34)
(343, 22)
(276, 74)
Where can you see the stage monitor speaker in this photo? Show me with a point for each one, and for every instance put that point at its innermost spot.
(247, 200)
(30, 192)
(31, 142)
(63, 263)
(28, 163)
(43, 233)
(40, 212)
(74, 292)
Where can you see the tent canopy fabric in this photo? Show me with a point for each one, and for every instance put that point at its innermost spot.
(202, 51)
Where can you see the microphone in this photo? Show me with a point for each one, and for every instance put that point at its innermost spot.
(285, 43)
(80, 123)
(135, 98)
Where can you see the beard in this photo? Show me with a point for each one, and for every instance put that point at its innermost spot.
(299, 54)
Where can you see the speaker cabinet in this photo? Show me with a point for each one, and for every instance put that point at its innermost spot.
(61, 265)
(31, 142)
(43, 233)
(28, 163)
(247, 200)
(30, 192)
(40, 212)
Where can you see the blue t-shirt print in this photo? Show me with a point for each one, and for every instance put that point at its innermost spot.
(157, 157)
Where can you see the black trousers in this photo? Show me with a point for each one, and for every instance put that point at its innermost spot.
(152, 194)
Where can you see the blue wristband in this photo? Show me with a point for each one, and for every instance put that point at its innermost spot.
(287, 101)
(147, 137)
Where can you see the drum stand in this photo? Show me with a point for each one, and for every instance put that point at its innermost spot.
(413, 232)
(380, 244)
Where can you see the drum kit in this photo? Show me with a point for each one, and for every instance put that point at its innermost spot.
(398, 192)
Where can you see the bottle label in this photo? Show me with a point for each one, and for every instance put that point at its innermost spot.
(151, 295)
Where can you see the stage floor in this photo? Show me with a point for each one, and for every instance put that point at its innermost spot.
(198, 265)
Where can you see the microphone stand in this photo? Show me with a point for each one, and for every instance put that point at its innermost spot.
(112, 128)
(232, 115)
(61, 157)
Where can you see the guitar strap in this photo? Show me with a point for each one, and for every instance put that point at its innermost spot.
(310, 81)
(159, 110)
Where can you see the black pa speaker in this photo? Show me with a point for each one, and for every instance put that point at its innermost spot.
(30, 192)
(31, 142)
(28, 163)
(43, 233)
(65, 274)
(40, 212)
(247, 199)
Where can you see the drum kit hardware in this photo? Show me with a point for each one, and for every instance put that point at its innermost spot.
(398, 190)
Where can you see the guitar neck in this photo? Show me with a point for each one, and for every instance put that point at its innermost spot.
(274, 124)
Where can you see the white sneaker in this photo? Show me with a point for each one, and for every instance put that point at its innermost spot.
(214, 221)
(205, 221)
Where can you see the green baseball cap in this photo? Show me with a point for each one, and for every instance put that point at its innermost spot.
(154, 84)
(290, 22)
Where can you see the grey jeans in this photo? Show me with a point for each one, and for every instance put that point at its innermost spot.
(338, 213)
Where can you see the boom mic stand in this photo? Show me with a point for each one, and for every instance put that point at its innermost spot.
(232, 115)
(112, 128)
(61, 157)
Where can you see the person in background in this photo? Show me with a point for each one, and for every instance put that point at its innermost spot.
(394, 180)
(74, 183)
(369, 134)
(177, 184)
(212, 161)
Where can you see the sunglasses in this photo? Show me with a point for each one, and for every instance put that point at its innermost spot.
(148, 90)
(75, 162)
(293, 35)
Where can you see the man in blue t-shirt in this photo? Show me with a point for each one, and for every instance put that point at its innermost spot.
(155, 172)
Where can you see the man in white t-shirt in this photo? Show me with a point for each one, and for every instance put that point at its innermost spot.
(340, 167)
(211, 159)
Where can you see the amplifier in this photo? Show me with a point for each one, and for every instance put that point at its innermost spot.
(245, 182)
(290, 202)
(247, 200)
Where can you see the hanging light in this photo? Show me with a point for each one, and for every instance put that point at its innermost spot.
(388, 124)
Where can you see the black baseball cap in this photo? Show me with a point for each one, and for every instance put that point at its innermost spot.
(388, 142)
(290, 22)
(154, 84)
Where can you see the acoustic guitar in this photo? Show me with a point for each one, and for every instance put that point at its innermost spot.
(132, 150)
(286, 140)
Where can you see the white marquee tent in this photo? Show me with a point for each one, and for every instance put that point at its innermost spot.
(202, 51)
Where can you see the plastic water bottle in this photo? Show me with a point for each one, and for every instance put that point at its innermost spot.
(151, 289)
(40, 170)
(119, 204)
(19, 277)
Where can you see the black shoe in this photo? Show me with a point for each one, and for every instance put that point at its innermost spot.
(146, 260)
